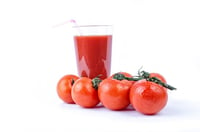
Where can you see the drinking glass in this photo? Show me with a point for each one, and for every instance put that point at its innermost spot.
(93, 47)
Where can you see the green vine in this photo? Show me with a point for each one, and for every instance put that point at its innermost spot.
(143, 75)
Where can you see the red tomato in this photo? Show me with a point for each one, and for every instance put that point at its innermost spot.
(159, 76)
(114, 94)
(64, 86)
(84, 94)
(148, 97)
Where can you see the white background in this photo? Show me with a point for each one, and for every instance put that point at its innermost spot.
(162, 36)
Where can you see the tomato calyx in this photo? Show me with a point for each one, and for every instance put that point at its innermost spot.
(72, 82)
(95, 82)
(143, 75)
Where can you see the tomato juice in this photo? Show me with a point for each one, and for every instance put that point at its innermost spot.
(93, 55)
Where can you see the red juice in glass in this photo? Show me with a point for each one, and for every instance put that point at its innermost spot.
(93, 53)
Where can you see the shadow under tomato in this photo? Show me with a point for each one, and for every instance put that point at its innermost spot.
(100, 105)
(128, 108)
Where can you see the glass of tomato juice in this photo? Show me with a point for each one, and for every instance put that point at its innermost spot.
(93, 47)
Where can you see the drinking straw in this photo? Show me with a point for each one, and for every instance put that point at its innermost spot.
(66, 22)
(72, 21)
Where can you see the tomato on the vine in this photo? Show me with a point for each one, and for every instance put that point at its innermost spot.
(146, 92)
(64, 86)
(84, 93)
(114, 94)
(148, 97)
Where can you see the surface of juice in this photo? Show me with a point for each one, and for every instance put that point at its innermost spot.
(93, 54)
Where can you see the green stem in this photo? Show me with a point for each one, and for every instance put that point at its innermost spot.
(158, 81)
(119, 76)
(95, 82)
(143, 75)
(146, 76)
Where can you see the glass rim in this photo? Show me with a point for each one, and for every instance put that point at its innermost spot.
(85, 26)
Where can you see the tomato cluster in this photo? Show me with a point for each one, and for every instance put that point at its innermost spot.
(146, 93)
